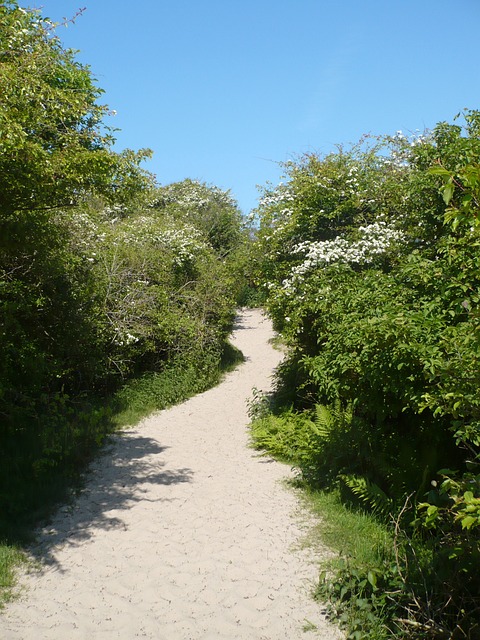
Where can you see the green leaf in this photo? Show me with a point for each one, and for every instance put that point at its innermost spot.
(437, 170)
(372, 578)
(448, 192)
(468, 522)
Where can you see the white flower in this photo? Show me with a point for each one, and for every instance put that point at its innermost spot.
(375, 240)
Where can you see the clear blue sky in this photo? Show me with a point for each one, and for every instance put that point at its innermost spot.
(223, 90)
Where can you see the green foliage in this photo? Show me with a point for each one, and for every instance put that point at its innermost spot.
(136, 292)
(369, 494)
(371, 263)
(10, 558)
(388, 584)
(104, 277)
(455, 502)
(361, 599)
(55, 153)
(287, 436)
(54, 147)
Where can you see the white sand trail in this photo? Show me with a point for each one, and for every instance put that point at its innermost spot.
(182, 532)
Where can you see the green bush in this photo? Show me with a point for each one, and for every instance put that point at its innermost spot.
(371, 264)
(104, 276)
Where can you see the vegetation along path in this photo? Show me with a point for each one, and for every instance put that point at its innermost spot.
(182, 531)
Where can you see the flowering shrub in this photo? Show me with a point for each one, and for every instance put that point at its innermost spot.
(103, 275)
(185, 243)
(374, 240)
(371, 266)
(193, 195)
(209, 209)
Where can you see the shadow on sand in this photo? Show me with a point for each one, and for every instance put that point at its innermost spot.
(115, 481)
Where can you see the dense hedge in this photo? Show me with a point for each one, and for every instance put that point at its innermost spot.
(372, 263)
(103, 274)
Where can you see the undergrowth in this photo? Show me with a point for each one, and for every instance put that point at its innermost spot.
(388, 579)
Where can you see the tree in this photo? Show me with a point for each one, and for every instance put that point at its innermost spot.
(210, 209)
(54, 147)
(55, 153)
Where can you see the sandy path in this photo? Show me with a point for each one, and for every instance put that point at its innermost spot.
(182, 532)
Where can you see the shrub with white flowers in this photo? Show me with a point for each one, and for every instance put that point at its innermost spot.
(374, 240)
(183, 242)
(372, 275)
(209, 209)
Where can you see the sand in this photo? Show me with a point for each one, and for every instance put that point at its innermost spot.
(182, 531)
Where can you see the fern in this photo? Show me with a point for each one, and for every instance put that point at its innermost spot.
(324, 421)
(334, 417)
(369, 493)
(286, 437)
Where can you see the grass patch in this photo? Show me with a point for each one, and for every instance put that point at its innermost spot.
(355, 583)
(349, 533)
(10, 558)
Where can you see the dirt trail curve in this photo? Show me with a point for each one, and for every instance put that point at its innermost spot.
(182, 532)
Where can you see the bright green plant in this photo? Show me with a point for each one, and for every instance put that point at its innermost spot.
(54, 147)
(99, 283)
(369, 494)
(371, 265)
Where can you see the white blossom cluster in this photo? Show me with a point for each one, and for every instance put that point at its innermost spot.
(85, 233)
(375, 239)
(116, 210)
(185, 243)
(401, 154)
(195, 194)
(278, 200)
(281, 194)
(84, 226)
(124, 338)
(419, 140)
(351, 180)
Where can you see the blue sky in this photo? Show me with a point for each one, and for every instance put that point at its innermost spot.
(224, 90)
